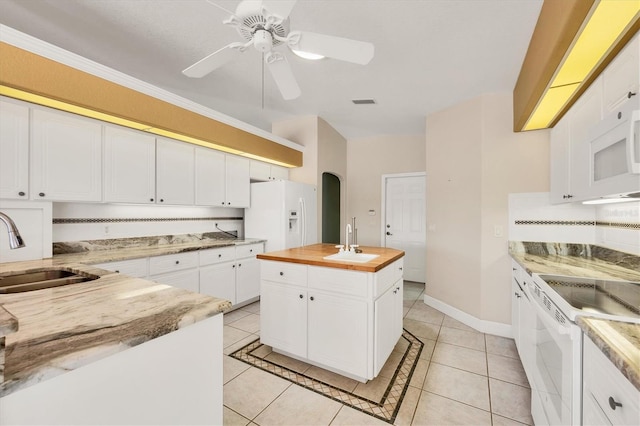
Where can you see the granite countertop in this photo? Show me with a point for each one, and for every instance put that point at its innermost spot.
(314, 255)
(47, 332)
(619, 341)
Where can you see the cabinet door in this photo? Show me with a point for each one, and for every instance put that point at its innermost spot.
(187, 279)
(210, 177)
(175, 172)
(260, 171)
(219, 281)
(283, 317)
(247, 279)
(586, 112)
(385, 336)
(237, 181)
(14, 150)
(279, 173)
(622, 76)
(66, 157)
(559, 159)
(129, 166)
(516, 294)
(337, 332)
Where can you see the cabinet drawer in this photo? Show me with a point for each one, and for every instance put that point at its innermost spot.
(353, 283)
(188, 280)
(133, 267)
(249, 250)
(172, 262)
(283, 272)
(388, 276)
(217, 255)
(603, 380)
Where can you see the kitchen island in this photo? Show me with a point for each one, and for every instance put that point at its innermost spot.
(341, 315)
(113, 350)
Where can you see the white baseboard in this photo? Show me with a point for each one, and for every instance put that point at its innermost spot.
(483, 326)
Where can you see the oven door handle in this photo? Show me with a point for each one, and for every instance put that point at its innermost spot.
(548, 321)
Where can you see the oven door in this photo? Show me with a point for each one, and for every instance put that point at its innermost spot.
(555, 391)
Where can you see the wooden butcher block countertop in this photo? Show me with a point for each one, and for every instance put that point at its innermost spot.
(314, 255)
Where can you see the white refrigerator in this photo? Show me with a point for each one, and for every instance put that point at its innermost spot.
(282, 212)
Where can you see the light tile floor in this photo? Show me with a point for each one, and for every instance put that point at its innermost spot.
(464, 377)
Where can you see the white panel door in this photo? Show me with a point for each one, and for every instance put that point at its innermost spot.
(66, 157)
(405, 222)
(14, 150)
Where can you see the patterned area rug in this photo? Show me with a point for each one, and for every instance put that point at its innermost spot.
(384, 408)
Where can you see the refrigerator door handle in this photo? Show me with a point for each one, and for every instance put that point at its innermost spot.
(303, 225)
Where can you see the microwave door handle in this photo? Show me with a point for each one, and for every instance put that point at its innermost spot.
(633, 142)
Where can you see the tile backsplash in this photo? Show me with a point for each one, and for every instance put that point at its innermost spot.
(533, 218)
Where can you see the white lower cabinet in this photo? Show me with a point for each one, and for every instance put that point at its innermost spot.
(330, 317)
(607, 396)
(231, 273)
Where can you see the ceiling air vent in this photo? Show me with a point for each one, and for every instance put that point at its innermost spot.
(363, 101)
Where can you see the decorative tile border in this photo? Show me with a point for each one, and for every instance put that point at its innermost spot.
(385, 409)
(57, 221)
(624, 225)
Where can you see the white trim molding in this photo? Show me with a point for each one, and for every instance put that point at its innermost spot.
(483, 326)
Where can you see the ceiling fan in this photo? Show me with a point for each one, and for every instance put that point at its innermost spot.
(265, 25)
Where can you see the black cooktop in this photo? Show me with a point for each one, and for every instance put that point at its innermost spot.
(610, 297)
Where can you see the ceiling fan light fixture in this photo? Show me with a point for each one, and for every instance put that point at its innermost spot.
(307, 55)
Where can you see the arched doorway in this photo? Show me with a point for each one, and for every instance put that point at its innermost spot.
(330, 208)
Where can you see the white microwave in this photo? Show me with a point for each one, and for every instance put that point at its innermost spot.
(615, 152)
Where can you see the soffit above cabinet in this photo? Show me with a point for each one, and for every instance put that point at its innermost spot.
(64, 87)
(554, 40)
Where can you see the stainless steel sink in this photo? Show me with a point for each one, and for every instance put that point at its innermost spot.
(39, 279)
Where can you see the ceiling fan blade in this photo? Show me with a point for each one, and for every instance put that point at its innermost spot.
(282, 74)
(344, 49)
(281, 8)
(214, 61)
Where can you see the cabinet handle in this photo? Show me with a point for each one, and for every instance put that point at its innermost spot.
(301, 297)
(117, 271)
(150, 199)
(233, 266)
(162, 200)
(630, 94)
(389, 233)
(177, 262)
(41, 194)
(219, 256)
(229, 203)
(239, 265)
(250, 250)
(282, 274)
(613, 403)
(222, 203)
(311, 298)
(21, 193)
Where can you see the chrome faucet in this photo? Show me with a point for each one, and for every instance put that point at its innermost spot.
(347, 232)
(15, 240)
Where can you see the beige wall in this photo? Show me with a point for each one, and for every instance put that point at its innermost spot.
(473, 161)
(325, 150)
(367, 160)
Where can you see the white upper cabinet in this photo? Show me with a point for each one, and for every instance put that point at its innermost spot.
(129, 166)
(66, 157)
(210, 179)
(261, 171)
(175, 172)
(14, 150)
(586, 112)
(221, 179)
(237, 181)
(560, 161)
(622, 77)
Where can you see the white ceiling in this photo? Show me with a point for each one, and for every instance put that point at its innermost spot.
(429, 54)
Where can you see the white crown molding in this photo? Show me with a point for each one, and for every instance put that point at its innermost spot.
(483, 326)
(49, 51)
